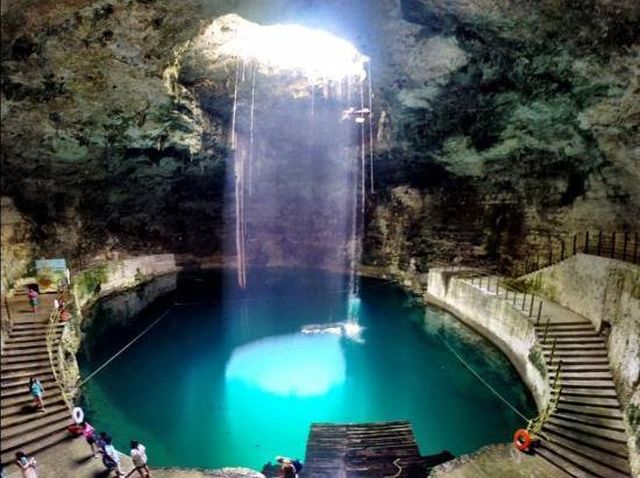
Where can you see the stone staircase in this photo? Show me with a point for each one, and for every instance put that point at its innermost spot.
(585, 437)
(24, 356)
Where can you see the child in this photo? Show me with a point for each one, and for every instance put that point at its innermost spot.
(139, 458)
(89, 433)
(27, 465)
(37, 390)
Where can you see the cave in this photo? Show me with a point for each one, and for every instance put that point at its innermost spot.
(372, 237)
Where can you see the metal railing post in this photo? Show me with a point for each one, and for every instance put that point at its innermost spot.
(575, 244)
(531, 306)
(624, 247)
(539, 312)
(613, 244)
(599, 243)
(562, 249)
(586, 242)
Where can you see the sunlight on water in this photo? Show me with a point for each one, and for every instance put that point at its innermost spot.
(289, 365)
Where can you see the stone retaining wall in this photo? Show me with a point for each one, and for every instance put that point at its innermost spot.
(509, 329)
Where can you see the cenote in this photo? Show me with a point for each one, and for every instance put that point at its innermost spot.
(227, 378)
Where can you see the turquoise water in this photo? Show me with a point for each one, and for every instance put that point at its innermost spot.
(231, 381)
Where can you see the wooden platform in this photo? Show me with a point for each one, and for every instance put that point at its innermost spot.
(363, 450)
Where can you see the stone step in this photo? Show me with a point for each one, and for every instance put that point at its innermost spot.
(584, 375)
(27, 338)
(575, 346)
(550, 453)
(35, 325)
(589, 410)
(561, 339)
(39, 444)
(26, 398)
(8, 370)
(589, 392)
(28, 345)
(22, 375)
(577, 353)
(593, 430)
(22, 387)
(15, 334)
(16, 359)
(33, 434)
(570, 334)
(577, 465)
(15, 432)
(13, 421)
(578, 361)
(27, 350)
(571, 383)
(577, 367)
(566, 325)
(615, 424)
(599, 449)
(585, 400)
(28, 408)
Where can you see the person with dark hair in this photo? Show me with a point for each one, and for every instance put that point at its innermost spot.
(110, 456)
(27, 465)
(288, 468)
(139, 458)
(89, 433)
(33, 299)
(37, 391)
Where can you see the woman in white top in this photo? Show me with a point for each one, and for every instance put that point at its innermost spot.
(139, 458)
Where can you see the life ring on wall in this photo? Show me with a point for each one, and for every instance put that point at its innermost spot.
(78, 415)
(522, 439)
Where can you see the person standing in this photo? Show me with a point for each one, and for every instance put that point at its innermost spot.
(37, 391)
(139, 458)
(33, 299)
(89, 433)
(111, 457)
(27, 465)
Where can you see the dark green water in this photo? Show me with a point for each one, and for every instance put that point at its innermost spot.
(235, 383)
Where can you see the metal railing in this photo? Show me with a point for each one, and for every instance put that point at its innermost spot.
(545, 251)
(52, 332)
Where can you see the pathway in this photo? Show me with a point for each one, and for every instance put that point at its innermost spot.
(586, 436)
(25, 355)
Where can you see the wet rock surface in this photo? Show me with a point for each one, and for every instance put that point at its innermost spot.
(522, 119)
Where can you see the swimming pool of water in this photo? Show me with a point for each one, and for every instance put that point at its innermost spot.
(229, 379)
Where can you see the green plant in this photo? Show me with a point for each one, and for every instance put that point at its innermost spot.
(90, 281)
(538, 361)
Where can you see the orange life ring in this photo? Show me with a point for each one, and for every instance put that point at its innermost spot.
(522, 439)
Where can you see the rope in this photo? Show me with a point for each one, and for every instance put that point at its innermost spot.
(488, 385)
(396, 463)
(129, 344)
(179, 304)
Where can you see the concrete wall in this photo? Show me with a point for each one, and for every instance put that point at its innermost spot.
(110, 277)
(496, 319)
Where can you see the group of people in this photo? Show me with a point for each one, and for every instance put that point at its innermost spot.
(102, 444)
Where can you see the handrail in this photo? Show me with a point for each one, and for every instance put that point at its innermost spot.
(51, 333)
